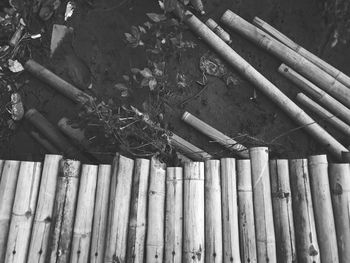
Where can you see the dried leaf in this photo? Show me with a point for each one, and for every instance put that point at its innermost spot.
(129, 38)
(156, 17)
(142, 30)
(120, 86)
(15, 66)
(147, 24)
(126, 78)
(146, 73)
(144, 82)
(135, 70)
(152, 83)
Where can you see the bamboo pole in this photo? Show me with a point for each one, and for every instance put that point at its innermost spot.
(340, 191)
(246, 212)
(23, 212)
(63, 212)
(8, 184)
(219, 30)
(57, 83)
(321, 198)
(282, 211)
(99, 229)
(288, 56)
(174, 215)
(194, 233)
(265, 233)
(48, 146)
(213, 217)
(76, 134)
(335, 73)
(304, 220)
(156, 212)
(270, 90)
(116, 241)
(345, 157)
(216, 135)
(43, 216)
(316, 93)
(323, 113)
(138, 213)
(84, 214)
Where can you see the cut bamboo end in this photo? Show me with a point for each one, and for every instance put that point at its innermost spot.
(76, 134)
(198, 6)
(219, 30)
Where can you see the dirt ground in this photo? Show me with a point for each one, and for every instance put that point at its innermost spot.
(99, 42)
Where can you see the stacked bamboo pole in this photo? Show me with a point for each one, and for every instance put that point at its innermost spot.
(213, 218)
(43, 216)
(288, 56)
(194, 233)
(282, 211)
(246, 212)
(304, 220)
(8, 183)
(174, 215)
(84, 214)
(138, 212)
(118, 226)
(99, 229)
(270, 90)
(321, 198)
(63, 212)
(230, 225)
(23, 212)
(156, 212)
(335, 73)
(340, 191)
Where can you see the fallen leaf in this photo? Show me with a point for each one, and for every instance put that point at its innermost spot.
(15, 66)
(152, 83)
(156, 17)
(146, 73)
(135, 70)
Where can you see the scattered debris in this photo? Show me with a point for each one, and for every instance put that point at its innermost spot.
(212, 65)
(17, 109)
(15, 66)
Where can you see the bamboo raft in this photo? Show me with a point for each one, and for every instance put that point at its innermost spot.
(228, 210)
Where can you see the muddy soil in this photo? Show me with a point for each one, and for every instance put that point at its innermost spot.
(99, 43)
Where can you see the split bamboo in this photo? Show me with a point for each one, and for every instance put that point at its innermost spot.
(335, 73)
(23, 212)
(324, 114)
(216, 135)
(219, 30)
(230, 226)
(265, 233)
(321, 198)
(43, 216)
(304, 220)
(213, 218)
(288, 56)
(116, 242)
(48, 146)
(340, 191)
(198, 6)
(84, 214)
(156, 212)
(270, 90)
(282, 211)
(8, 184)
(174, 215)
(138, 213)
(316, 93)
(57, 83)
(246, 212)
(194, 233)
(98, 240)
(63, 212)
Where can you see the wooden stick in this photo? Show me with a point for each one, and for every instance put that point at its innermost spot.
(116, 242)
(270, 90)
(84, 215)
(63, 212)
(304, 220)
(156, 211)
(316, 93)
(218, 30)
(213, 218)
(246, 212)
(282, 211)
(138, 213)
(8, 184)
(340, 191)
(321, 198)
(98, 240)
(43, 216)
(265, 233)
(57, 83)
(216, 135)
(174, 215)
(48, 146)
(288, 56)
(23, 212)
(335, 73)
(323, 113)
